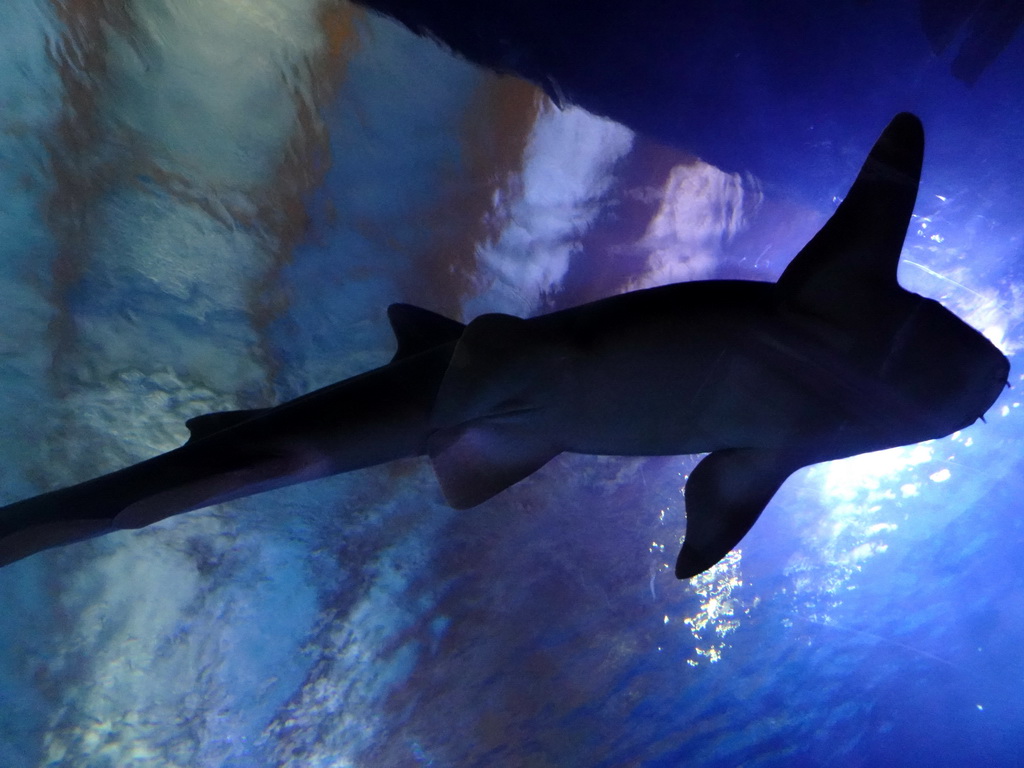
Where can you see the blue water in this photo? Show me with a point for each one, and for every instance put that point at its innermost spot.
(209, 206)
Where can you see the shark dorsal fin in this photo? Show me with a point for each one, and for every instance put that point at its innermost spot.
(853, 258)
(209, 423)
(417, 329)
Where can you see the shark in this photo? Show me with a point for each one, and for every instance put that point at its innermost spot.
(832, 360)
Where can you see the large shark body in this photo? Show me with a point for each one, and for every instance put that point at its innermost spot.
(833, 360)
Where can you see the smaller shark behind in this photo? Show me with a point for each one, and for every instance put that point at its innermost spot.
(833, 360)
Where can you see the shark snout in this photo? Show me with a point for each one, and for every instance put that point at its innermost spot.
(989, 388)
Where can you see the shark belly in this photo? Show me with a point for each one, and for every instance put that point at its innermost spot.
(694, 383)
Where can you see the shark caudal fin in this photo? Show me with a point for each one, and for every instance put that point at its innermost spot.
(853, 258)
(49, 520)
(31, 539)
(725, 494)
(197, 489)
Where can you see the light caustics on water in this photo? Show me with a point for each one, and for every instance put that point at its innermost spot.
(720, 610)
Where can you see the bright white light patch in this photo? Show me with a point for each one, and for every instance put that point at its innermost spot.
(939, 477)
(567, 170)
(855, 494)
(847, 479)
(701, 208)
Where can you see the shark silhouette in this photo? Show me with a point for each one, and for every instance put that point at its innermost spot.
(833, 360)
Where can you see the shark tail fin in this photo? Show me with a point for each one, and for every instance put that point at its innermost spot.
(29, 540)
(43, 522)
(725, 495)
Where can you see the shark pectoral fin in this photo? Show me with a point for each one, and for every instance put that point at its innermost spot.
(417, 329)
(477, 461)
(209, 423)
(725, 495)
